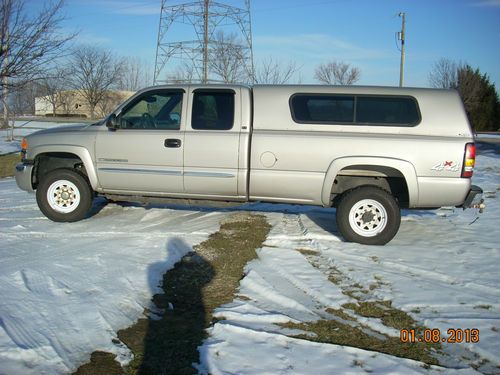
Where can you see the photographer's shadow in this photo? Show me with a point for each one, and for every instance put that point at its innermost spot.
(172, 340)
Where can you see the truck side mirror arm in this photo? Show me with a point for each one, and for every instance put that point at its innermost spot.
(112, 122)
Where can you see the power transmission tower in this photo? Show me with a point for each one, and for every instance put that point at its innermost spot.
(187, 39)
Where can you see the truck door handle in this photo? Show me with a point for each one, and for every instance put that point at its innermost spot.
(172, 143)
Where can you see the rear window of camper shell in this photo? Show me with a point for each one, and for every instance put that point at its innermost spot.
(339, 109)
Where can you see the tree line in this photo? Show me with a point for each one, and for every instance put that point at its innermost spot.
(38, 59)
(478, 94)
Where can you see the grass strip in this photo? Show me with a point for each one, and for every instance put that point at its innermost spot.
(8, 164)
(333, 332)
(203, 280)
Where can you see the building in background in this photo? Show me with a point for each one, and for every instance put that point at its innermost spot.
(71, 103)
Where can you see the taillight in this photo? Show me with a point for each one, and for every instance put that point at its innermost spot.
(469, 160)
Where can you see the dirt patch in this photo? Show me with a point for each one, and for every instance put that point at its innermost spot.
(203, 280)
(104, 361)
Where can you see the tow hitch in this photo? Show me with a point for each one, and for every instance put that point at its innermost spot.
(475, 199)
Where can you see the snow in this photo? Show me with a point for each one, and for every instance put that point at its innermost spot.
(238, 350)
(443, 268)
(22, 128)
(495, 136)
(65, 289)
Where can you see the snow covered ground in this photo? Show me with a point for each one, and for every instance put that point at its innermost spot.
(443, 268)
(65, 289)
(21, 129)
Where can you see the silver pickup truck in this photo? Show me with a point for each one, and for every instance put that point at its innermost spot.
(368, 151)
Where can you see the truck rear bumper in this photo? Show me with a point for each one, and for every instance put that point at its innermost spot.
(474, 198)
(23, 176)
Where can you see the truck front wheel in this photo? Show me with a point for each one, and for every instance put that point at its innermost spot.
(64, 195)
(368, 215)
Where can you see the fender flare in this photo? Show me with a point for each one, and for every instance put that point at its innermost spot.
(404, 167)
(79, 151)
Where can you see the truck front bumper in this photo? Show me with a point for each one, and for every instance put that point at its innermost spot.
(474, 199)
(23, 176)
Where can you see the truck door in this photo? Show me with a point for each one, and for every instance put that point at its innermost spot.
(212, 142)
(145, 152)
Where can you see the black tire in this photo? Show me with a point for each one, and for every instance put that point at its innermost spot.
(64, 195)
(368, 215)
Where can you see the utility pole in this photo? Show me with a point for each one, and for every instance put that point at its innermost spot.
(205, 41)
(401, 37)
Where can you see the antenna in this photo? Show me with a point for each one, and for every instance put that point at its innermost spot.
(187, 38)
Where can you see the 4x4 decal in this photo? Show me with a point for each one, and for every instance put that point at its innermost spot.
(449, 166)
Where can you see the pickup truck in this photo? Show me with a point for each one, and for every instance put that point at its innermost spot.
(368, 151)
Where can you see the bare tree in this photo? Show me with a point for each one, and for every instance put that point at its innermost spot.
(448, 74)
(94, 72)
(28, 44)
(444, 74)
(270, 71)
(67, 100)
(21, 102)
(53, 86)
(136, 74)
(183, 74)
(337, 73)
(108, 103)
(22, 99)
(476, 91)
(226, 58)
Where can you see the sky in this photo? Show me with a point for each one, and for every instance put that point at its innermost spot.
(359, 32)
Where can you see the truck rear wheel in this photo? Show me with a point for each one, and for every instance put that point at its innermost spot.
(64, 195)
(368, 215)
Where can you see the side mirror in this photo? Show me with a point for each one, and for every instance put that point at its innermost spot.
(112, 122)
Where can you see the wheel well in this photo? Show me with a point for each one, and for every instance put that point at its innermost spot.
(386, 178)
(47, 162)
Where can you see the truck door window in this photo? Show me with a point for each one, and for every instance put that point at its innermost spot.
(153, 110)
(213, 110)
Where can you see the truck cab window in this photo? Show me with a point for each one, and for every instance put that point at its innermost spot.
(213, 110)
(158, 110)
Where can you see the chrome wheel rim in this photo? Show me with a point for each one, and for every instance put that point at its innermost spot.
(63, 196)
(368, 218)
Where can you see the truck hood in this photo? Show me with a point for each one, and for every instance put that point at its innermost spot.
(64, 129)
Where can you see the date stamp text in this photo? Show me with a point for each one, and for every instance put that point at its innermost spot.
(453, 335)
